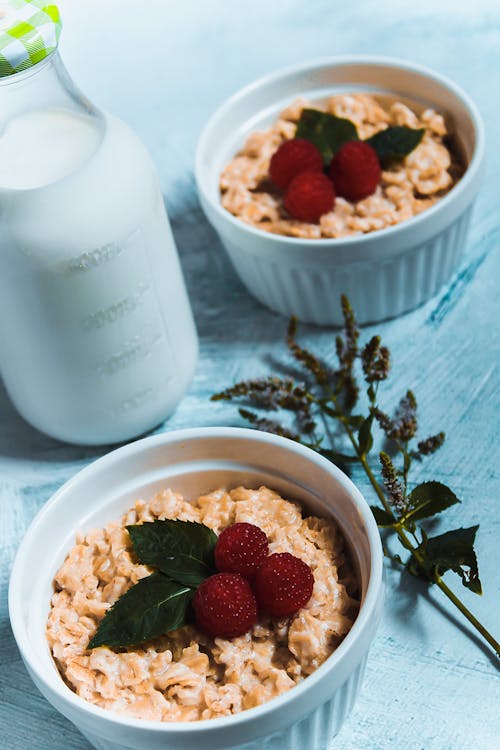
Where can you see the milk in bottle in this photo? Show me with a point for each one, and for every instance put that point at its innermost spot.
(97, 340)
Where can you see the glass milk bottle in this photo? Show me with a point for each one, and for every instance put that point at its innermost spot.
(97, 340)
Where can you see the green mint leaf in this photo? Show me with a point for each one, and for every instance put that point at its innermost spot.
(453, 550)
(395, 142)
(382, 517)
(429, 498)
(327, 132)
(355, 420)
(154, 606)
(365, 437)
(342, 460)
(182, 550)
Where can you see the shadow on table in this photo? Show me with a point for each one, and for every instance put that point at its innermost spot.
(404, 607)
(19, 440)
(224, 310)
(461, 623)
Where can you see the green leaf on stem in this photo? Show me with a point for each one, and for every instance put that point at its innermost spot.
(365, 437)
(453, 550)
(154, 606)
(382, 517)
(429, 498)
(340, 458)
(182, 550)
(327, 132)
(355, 420)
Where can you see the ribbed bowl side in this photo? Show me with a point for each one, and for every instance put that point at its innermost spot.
(377, 289)
(314, 732)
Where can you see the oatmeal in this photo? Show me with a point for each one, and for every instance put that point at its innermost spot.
(185, 675)
(407, 187)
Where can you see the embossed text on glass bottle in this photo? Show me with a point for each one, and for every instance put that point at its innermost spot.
(97, 340)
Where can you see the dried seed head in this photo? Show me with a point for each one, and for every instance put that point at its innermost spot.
(339, 347)
(351, 334)
(387, 425)
(403, 426)
(406, 417)
(312, 363)
(376, 361)
(267, 393)
(268, 425)
(392, 484)
(431, 444)
(351, 392)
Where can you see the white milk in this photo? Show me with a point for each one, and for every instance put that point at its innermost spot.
(40, 147)
(97, 341)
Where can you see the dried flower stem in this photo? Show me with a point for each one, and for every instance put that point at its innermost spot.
(405, 541)
(437, 578)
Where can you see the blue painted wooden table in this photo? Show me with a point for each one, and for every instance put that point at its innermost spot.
(163, 67)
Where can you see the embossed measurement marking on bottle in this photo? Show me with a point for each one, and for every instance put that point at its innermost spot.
(110, 314)
(132, 351)
(92, 259)
(136, 400)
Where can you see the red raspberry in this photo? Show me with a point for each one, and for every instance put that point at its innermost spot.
(309, 196)
(355, 170)
(240, 549)
(283, 584)
(225, 606)
(292, 158)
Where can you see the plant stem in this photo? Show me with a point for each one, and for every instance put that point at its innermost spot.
(467, 614)
(405, 541)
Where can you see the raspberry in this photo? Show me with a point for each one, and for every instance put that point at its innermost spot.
(292, 158)
(283, 584)
(309, 196)
(355, 170)
(240, 549)
(225, 606)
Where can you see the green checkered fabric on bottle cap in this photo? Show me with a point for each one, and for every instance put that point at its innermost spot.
(29, 32)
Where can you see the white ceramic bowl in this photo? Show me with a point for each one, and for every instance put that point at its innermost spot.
(384, 273)
(193, 462)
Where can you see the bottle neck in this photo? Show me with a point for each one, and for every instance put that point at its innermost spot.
(47, 85)
(48, 129)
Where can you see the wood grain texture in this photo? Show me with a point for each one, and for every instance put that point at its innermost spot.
(430, 685)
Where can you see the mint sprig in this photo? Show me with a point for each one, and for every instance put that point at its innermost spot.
(154, 606)
(182, 550)
(395, 142)
(328, 133)
(183, 553)
(323, 400)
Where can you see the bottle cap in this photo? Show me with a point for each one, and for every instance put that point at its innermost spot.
(29, 32)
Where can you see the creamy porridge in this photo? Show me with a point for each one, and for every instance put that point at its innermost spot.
(407, 186)
(185, 676)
